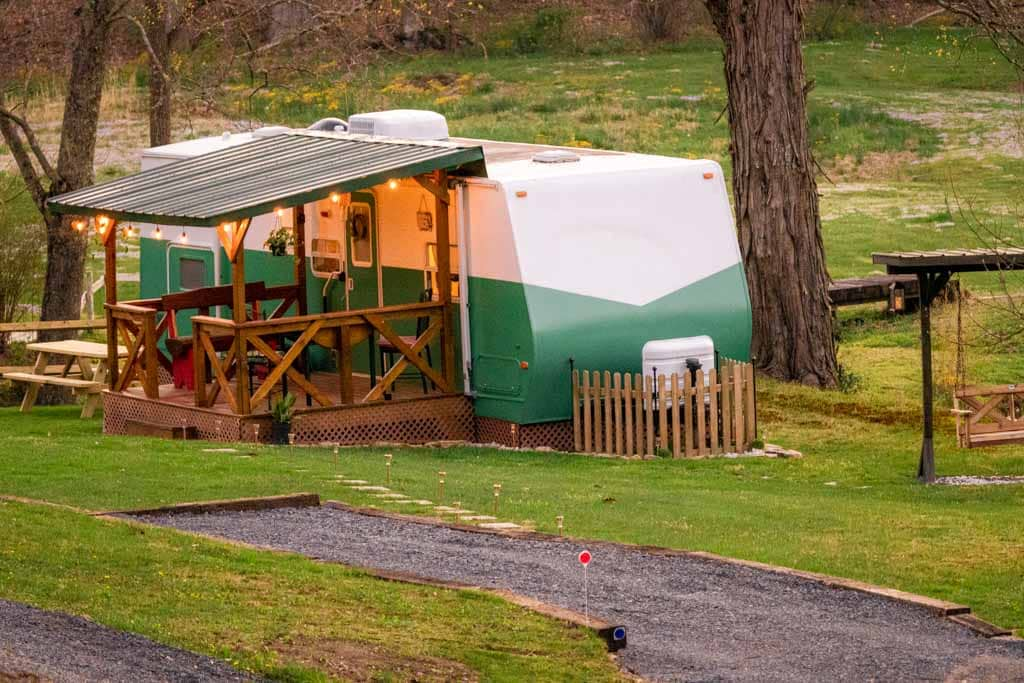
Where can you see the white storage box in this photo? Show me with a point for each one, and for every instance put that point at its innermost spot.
(668, 356)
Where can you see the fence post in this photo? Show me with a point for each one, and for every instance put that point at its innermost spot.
(617, 408)
(688, 439)
(751, 406)
(649, 413)
(737, 376)
(716, 447)
(725, 405)
(628, 410)
(150, 376)
(702, 444)
(676, 412)
(662, 413)
(586, 412)
(608, 438)
(638, 396)
(577, 437)
(595, 383)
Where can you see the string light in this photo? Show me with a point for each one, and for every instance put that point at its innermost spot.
(101, 224)
(158, 234)
(78, 225)
(335, 197)
(393, 184)
(227, 227)
(183, 237)
(279, 212)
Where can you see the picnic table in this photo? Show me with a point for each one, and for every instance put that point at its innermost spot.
(89, 378)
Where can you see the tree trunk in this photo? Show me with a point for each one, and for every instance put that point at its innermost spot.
(65, 248)
(775, 190)
(159, 73)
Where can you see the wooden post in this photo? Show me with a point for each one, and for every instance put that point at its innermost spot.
(617, 411)
(638, 396)
(608, 436)
(345, 364)
(598, 412)
(577, 437)
(702, 446)
(677, 410)
(150, 376)
(586, 412)
(688, 414)
(737, 413)
(198, 364)
(444, 282)
(725, 406)
(628, 395)
(649, 413)
(238, 315)
(662, 412)
(110, 297)
(299, 222)
(751, 408)
(713, 414)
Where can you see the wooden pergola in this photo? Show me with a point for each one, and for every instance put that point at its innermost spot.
(933, 270)
(224, 191)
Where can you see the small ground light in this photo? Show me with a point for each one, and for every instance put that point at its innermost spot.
(497, 494)
(387, 467)
(560, 519)
(335, 458)
(440, 486)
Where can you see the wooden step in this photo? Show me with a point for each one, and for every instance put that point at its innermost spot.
(997, 438)
(72, 382)
(140, 428)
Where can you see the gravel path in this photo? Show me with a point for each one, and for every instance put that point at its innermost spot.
(688, 618)
(40, 645)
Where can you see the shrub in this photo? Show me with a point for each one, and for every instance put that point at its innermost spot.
(832, 20)
(21, 269)
(657, 19)
(546, 30)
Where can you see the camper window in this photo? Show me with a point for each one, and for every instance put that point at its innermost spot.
(326, 257)
(191, 273)
(430, 275)
(360, 235)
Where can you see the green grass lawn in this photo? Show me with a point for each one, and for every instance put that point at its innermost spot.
(279, 615)
(850, 507)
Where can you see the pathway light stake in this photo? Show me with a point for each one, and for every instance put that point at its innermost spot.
(497, 494)
(560, 519)
(256, 432)
(335, 458)
(387, 468)
(440, 486)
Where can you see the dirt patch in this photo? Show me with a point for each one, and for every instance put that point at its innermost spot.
(7, 677)
(354, 661)
(873, 166)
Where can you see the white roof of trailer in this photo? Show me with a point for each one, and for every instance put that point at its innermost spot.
(506, 161)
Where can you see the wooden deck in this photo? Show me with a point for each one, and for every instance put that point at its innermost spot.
(327, 382)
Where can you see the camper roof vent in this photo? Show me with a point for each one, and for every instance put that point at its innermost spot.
(269, 131)
(411, 124)
(555, 156)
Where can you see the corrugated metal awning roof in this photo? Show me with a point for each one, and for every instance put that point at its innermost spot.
(256, 177)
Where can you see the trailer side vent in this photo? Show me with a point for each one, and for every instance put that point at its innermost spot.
(555, 156)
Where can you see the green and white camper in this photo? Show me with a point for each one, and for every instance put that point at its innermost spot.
(558, 255)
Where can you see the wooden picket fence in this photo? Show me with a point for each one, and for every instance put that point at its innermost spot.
(625, 414)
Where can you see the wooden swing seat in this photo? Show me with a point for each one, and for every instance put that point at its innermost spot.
(989, 415)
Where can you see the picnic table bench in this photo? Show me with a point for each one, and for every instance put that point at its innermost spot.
(88, 379)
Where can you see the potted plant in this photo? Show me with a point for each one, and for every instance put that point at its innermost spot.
(279, 240)
(281, 414)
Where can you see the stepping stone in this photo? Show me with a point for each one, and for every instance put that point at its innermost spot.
(424, 502)
(445, 508)
(395, 496)
(354, 482)
(220, 450)
(380, 489)
(477, 518)
(500, 525)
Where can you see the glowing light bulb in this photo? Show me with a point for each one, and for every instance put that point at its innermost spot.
(279, 212)
(335, 197)
(158, 234)
(183, 237)
(393, 184)
(78, 225)
(227, 227)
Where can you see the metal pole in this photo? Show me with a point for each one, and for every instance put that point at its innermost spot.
(926, 465)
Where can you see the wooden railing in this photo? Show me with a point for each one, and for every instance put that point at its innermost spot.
(632, 414)
(339, 332)
(140, 325)
(137, 328)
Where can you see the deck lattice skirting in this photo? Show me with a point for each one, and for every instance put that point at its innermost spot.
(412, 421)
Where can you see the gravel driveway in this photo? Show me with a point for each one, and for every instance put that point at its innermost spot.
(688, 618)
(39, 645)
